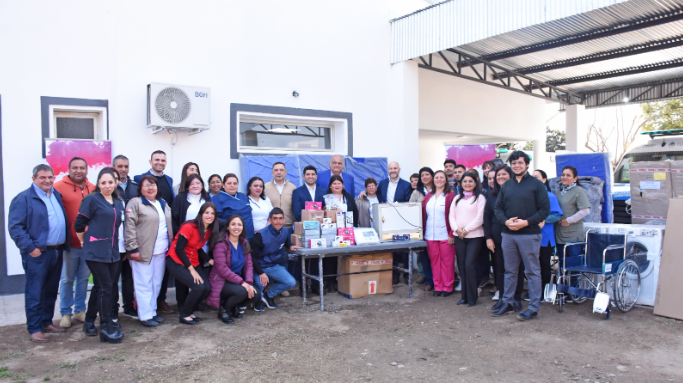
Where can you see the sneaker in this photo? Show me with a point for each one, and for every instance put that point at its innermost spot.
(526, 298)
(66, 321)
(258, 307)
(528, 314)
(285, 293)
(131, 314)
(458, 287)
(270, 302)
(150, 323)
(80, 316)
(241, 309)
(496, 296)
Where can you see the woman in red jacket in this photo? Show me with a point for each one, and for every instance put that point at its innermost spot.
(437, 232)
(186, 254)
(232, 276)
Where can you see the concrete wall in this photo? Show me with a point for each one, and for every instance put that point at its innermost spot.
(335, 54)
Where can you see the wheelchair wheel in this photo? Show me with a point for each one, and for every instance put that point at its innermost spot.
(581, 282)
(626, 285)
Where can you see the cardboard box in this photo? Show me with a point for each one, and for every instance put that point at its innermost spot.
(341, 219)
(327, 221)
(312, 233)
(361, 285)
(298, 228)
(316, 243)
(341, 244)
(328, 226)
(677, 178)
(313, 205)
(331, 215)
(297, 240)
(312, 215)
(349, 219)
(668, 298)
(651, 189)
(348, 231)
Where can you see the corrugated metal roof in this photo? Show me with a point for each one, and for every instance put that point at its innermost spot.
(488, 28)
(457, 22)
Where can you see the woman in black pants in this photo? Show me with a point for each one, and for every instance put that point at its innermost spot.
(493, 230)
(232, 278)
(102, 213)
(186, 254)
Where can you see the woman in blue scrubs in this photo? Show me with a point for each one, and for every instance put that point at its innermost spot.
(229, 201)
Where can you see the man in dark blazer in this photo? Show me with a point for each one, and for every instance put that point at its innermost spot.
(394, 189)
(308, 192)
(336, 166)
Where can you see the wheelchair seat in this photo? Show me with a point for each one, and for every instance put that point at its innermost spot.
(599, 246)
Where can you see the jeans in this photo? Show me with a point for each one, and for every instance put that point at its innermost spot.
(42, 284)
(426, 267)
(74, 269)
(233, 294)
(522, 249)
(102, 299)
(282, 279)
(197, 291)
(468, 250)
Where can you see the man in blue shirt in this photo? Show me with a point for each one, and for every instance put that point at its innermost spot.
(38, 226)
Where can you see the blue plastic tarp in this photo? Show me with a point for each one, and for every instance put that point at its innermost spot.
(595, 165)
(362, 168)
(319, 161)
(262, 166)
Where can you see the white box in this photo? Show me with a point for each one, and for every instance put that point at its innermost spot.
(316, 243)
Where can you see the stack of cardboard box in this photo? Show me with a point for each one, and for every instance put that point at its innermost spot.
(322, 233)
(651, 189)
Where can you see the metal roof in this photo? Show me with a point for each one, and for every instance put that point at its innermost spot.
(581, 47)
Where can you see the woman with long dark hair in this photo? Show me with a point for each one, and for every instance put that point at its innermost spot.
(232, 278)
(575, 206)
(547, 231)
(148, 234)
(486, 169)
(187, 203)
(338, 198)
(186, 254)
(188, 169)
(260, 203)
(493, 230)
(436, 208)
(215, 184)
(425, 185)
(467, 219)
(229, 201)
(97, 227)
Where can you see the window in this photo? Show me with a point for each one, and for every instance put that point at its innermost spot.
(285, 136)
(74, 119)
(76, 125)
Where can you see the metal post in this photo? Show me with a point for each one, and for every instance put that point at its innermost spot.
(320, 275)
(303, 277)
(410, 273)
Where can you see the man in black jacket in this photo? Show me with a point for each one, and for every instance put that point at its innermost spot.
(522, 204)
(127, 189)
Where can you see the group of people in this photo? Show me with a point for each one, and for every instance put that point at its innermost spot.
(227, 249)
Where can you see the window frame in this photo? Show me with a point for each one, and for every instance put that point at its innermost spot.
(50, 105)
(270, 120)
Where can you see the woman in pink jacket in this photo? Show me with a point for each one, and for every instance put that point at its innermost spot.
(438, 234)
(232, 276)
(467, 220)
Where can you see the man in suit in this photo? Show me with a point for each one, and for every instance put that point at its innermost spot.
(336, 166)
(394, 189)
(309, 192)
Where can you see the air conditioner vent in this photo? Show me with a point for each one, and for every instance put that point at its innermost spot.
(172, 105)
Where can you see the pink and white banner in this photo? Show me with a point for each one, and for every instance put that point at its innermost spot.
(59, 152)
(472, 156)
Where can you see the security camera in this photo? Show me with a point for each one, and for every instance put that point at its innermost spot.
(295, 94)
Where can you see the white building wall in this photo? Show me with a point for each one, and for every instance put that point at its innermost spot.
(335, 54)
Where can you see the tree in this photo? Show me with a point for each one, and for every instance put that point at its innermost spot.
(619, 137)
(664, 115)
(555, 140)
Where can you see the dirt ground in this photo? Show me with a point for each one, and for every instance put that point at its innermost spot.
(382, 338)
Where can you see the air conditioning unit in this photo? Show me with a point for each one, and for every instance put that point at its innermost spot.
(178, 107)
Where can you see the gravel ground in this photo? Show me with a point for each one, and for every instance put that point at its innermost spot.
(382, 338)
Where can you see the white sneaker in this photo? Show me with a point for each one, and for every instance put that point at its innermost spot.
(459, 286)
(495, 297)
(65, 322)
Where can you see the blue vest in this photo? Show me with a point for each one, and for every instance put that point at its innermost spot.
(273, 243)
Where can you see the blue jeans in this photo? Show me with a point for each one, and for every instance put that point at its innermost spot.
(42, 284)
(279, 280)
(74, 270)
(426, 267)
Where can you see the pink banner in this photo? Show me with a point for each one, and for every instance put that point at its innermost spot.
(96, 153)
(472, 156)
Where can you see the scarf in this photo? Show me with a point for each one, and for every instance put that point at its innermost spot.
(565, 189)
(467, 195)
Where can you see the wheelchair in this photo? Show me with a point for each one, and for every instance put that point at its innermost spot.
(602, 273)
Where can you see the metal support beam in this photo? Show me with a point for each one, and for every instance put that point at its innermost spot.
(644, 92)
(646, 22)
(619, 72)
(650, 46)
(523, 84)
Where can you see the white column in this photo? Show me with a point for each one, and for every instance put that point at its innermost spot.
(576, 129)
(404, 117)
(540, 158)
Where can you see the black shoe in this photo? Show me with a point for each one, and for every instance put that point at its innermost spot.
(185, 321)
(502, 311)
(225, 317)
(471, 304)
(116, 326)
(437, 293)
(270, 302)
(89, 329)
(258, 307)
(236, 313)
(110, 334)
(462, 302)
(150, 323)
(406, 279)
(498, 305)
(131, 314)
(203, 307)
(528, 314)
(331, 288)
(197, 319)
(446, 293)
(517, 306)
(158, 319)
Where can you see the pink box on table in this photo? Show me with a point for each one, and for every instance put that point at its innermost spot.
(313, 205)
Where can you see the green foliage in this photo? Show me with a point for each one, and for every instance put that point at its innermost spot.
(554, 140)
(665, 115)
